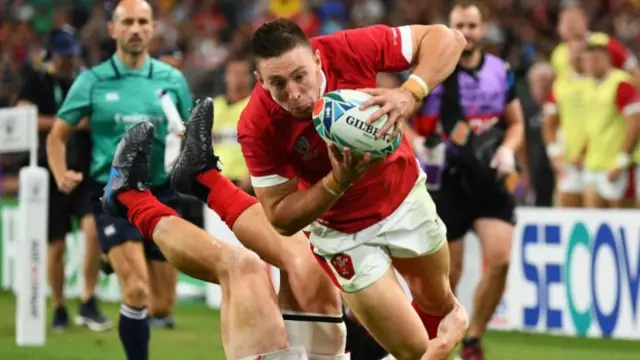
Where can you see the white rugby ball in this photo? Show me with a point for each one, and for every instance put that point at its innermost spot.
(338, 119)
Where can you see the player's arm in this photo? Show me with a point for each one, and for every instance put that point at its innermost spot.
(432, 50)
(75, 108)
(628, 103)
(514, 137)
(288, 209)
(436, 50)
(29, 95)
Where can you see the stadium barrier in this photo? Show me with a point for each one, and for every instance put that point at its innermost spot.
(107, 287)
(573, 272)
(576, 273)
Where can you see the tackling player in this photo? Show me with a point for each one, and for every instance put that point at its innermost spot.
(251, 325)
(613, 127)
(565, 110)
(362, 218)
(115, 95)
(573, 26)
(479, 95)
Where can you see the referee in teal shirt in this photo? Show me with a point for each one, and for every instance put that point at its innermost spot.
(115, 95)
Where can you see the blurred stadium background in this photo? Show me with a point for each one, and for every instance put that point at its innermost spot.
(202, 34)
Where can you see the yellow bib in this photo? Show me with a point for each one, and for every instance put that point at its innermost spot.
(570, 93)
(606, 127)
(225, 137)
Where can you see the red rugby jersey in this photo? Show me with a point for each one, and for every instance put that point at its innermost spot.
(278, 147)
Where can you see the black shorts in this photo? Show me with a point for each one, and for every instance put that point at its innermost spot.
(63, 207)
(463, 198)
(114, 231)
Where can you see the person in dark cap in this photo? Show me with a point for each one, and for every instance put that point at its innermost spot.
(45, 85)
(170, 55)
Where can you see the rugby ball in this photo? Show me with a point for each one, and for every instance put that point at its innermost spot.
(337, 118)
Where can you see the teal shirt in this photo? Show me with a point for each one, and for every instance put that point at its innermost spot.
(115, 98)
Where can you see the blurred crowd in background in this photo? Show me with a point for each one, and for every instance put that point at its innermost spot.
(200, 35)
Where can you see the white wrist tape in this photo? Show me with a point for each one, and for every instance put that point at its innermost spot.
(420, 82)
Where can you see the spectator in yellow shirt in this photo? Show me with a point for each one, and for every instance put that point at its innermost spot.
(573, 26)
(227, 110)
(612, 130)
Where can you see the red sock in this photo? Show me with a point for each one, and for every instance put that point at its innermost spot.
(430, 322)
(144, 210)
(226, 199)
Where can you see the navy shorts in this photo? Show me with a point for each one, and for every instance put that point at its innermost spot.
(113, 231)
(63, 207)
(463, 198)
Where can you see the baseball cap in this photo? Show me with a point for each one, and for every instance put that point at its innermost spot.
(597, 42)
(63, 43)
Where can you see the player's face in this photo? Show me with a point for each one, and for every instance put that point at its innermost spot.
(293, 79)
(468, 21)
(238, 75)
(596, 62)
(572, 24)
(133, 27)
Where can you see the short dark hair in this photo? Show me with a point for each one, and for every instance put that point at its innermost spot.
(465, 4)
(276, 37)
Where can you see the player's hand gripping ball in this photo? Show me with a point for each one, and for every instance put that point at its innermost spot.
(338, 119)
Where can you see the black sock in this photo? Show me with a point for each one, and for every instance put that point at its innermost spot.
(134, 332)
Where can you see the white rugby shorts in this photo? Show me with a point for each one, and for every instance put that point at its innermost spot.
(608, 190)
(570, 180)
(356, 261)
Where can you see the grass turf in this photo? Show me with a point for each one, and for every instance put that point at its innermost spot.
(197, 337)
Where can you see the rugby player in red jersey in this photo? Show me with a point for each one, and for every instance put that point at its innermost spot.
(364, 217)
(387, 216)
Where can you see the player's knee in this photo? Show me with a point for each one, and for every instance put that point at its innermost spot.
(135, 292)
(498, 259)
(321, 339)
(246, 264)
(439, 302)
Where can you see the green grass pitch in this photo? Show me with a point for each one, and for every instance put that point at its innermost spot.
(197, 337)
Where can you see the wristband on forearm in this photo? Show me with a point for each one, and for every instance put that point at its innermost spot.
(417, 87)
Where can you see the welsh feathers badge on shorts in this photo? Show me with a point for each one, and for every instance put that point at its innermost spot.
(343, 265)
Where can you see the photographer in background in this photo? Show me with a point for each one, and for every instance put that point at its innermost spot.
(46, 85)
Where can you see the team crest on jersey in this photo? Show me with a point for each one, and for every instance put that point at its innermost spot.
(343, 265)
(303, 147)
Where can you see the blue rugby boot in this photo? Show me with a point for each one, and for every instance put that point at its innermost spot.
(130, 167)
